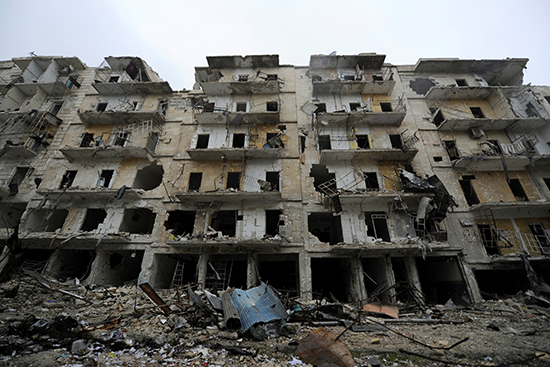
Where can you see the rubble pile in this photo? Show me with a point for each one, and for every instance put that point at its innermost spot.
(44, 322)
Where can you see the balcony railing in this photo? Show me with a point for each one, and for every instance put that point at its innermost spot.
(510, 242)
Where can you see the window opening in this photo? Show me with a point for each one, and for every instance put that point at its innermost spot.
(234, 180)
(163, 107)
(320, 175)
(274, 140)
(140, 221)
(238, 140)
(517, 190)
(272, 77)
(273, 179)
(386, 107)
(489, 239)
(243, 77)
(324, 142)
(438, 118)
(438, 159)
(303, 145)
(209, 107)
(321, 107)
(152, 141)
(180, 222)
(55, 108)
(105, 178)
(354, 106)
(272, 222)
(94, 217)
(547, 182)
(461, 82)
(114, 79)
(495, 146)
(67, 179)
(240, 107)
(202, 141)
(101, 106)
(468, 189)
(225, 221)
(349, 77)
(396, 141)
(377, 78)
(272, 106)
(476, 111)
(18, 177)
(121, 138)
(371, 181)
(377, 225)
(195, 179)
(86, 141)
(326, 227)
(537, 229)
(450, 146)
(363, 141)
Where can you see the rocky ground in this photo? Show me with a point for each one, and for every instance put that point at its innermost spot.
(122, 327)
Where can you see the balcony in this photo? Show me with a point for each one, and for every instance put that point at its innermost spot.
(63, 85)
(77, 192)
(360, 117)
(516, 155)
(120, 118)
(228, 196)
(519, 207)
(226, 245)
(259, 86)
(232, 154)
(346, 86)
(73, 154)
(204, 117)
(399, 155)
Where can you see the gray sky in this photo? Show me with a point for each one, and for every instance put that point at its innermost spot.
(175, 36)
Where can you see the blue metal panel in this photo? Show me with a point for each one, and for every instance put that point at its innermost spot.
(259, 304)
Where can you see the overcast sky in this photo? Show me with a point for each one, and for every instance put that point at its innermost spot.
(175, 36)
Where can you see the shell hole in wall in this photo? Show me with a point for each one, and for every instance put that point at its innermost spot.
(149, 178)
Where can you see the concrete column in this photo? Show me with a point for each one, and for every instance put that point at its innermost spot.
(148, 273)
(304, 264)
(98, 264)
(202, 268)
(358, 284)
(252, 270)
(390, 276)
(412, 272)
(471, 282)
(52, 265)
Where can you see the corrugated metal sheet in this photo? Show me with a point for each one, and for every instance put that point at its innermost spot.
(259, 304)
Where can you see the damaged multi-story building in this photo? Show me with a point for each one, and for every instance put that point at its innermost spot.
(346, 178)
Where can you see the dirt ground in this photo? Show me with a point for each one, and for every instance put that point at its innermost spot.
(122, 327)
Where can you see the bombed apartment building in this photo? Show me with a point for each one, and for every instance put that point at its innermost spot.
(349, 178)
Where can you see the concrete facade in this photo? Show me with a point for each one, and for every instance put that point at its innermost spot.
(349, 177)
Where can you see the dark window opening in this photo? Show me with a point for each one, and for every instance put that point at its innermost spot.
(101, 106)
(321, 175)
(67, 179)
(45, 220)
(386, 107)
(547, 98)
(105, 178)
(273, 179)
(452, 150)
(272, 106)
(149, 178)
(139, 221)
(280, 272)
(238, 140)
(163, 107)
(178, 270)
(371, 181)
(489, 239)
(225, 221)
(195, 179)
(55, 108)
(271, 77)
(180, 222)
(349, 77)
(209, 107)
(461, 82)
(70, 264)
(531, 110)
(476, 111)
(499, 284)
(302, 144)
(363, 141)
(274, 140)
(272, 222)
(114, 79)
(375, 274)
(281, 127)
(152, 141)
(202, 141)
(517, 190)
(495, 146)
(537, 229)
(87, 140)
(547, 182)
(94, 217)
(354, 106)
(18, 177)
(396, 141)
(115, 259)
(121, 138)
(377, 225)
(234, 180)
(469, 192)
(335, 284)
(324, 142)
(241, 107)
(243, 78)
(377, 78)
(316, 78)
(226, 271)
(438, 159)
(326, 227)
(438, 118)
(321, 107)
(441, 280)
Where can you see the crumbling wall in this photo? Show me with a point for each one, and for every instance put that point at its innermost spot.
(492, 186)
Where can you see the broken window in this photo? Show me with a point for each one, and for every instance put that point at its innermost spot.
(476, 111)
(86, 140)
(461, 82)
(101, 106)
(324, 142)
(149, 178)
(517, 190)
(121, 138)
(377, 78)
(272, 77)
(272, 106)
(349, 77)
(396, 141)
(45, 220)
(326, 227)
(209, 107)
(450, 146)
(321, 175)
(377, 225)
(363, 141)
(281, 272)
(537, 229)
(273, 179)
(438, 159)
(321, 107)
(272, 222)
(163, 107)
(94, 217)
(441, 280)
(274, 140)
(19, 174)
(234, 180)
(238, 140)
(371, 181)
(152, 141)
(114, 79)
(332, 278)
(386, 107)
(354, 106)
(240, 106)
(243, 77)
(55, 108)
(67, 179)
(195, 179)
(302, 144)
(438, 118)
(468, 189)
(105, 178)
(202, 141)
(531, 111)
(225, 221)
(139, 221)
(489, 239)
(375, 274)
(225, 271)
(180, 222)
(495, 146)
(547, 182)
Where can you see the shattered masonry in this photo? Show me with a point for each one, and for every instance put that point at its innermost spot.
(337, 179)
